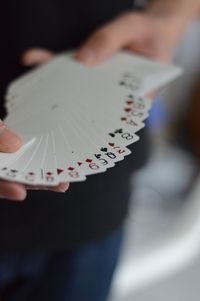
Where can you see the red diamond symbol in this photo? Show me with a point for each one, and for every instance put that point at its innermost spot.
(88, 161)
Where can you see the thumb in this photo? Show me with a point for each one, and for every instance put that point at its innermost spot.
(9, 141)
(36, 56)
(110, 38)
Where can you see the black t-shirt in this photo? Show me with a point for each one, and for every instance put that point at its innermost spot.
(91, 209)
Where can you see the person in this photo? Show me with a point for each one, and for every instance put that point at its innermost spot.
(65, 246)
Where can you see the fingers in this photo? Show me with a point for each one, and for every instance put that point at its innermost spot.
(17, 192)
(137, 32)
(63, 187)
(108, 39)
(36, 56)
(9, 141)
(153, 51)
(12, 191)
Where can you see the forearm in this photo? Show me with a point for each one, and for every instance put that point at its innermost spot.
(185, 9)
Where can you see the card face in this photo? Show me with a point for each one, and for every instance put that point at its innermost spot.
(25, 169)
(77, 120)
(66, 165)
(82, 148)
(135, 73)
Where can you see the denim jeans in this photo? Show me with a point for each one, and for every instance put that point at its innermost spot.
(84, 274)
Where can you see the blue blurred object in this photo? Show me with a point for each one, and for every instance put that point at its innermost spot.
(159, 114)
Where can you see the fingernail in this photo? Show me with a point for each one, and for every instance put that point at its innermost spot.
(21, 197)
(36, 56)
(9, 142)
(85, 55)
(63, 187)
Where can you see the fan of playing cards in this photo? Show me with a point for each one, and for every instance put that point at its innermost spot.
(77, 120)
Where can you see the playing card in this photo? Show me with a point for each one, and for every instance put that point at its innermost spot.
(138, 74)
(135, 73)
(66, 93)
(67, 167)
(98, 135)
(25, 169)
(6, 158)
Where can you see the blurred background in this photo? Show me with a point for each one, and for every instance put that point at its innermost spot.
(161, 252)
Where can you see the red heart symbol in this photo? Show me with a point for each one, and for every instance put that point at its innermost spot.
(129, 102)
(127, 110)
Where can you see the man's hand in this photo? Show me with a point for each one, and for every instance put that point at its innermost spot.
(152, 33)
(145, 33)
(10, 142)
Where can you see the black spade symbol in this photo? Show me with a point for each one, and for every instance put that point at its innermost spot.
(112, 135)
(120, 131)
(104, 149)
